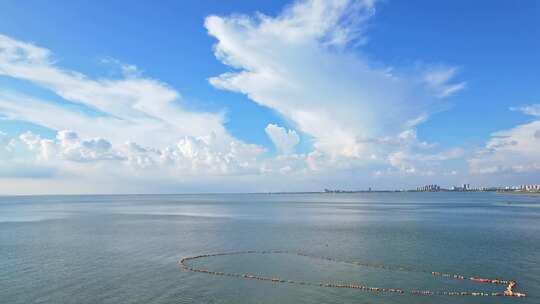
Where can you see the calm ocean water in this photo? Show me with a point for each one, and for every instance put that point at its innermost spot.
(124, 249)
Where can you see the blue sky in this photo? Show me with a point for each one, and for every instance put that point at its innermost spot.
(464, 71)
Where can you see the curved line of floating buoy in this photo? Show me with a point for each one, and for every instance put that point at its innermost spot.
(508, 292)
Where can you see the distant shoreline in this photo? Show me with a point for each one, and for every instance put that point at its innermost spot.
(277, 193)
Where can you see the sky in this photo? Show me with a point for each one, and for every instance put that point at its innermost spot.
(256, 96)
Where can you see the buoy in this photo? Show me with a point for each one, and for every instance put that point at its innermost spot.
(509, 292)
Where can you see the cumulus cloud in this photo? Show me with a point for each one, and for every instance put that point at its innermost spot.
(306, 63)
(134, 124)
(284, 140)
(207, 154)
(511, 151)
(188, 156)
(300, 64)
(69, 146)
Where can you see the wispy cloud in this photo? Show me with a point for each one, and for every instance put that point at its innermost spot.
(439, 80)
(133, 106)
(533, 110)
(511, 151)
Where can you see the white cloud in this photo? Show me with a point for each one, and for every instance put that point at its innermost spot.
(68, 146)
(284, 140)
(299, 64)
(438, 80)
(122, 128)
(188, 156)
(423, 163)
(197, 155)
(515, 150)
(533, 110)
(133, 106)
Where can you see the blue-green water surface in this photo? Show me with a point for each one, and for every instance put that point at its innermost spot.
(124, 249)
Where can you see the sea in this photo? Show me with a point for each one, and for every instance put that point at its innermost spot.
(126, 248)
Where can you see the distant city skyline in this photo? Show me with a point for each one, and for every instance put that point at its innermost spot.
(437, 188)
(249, 96)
